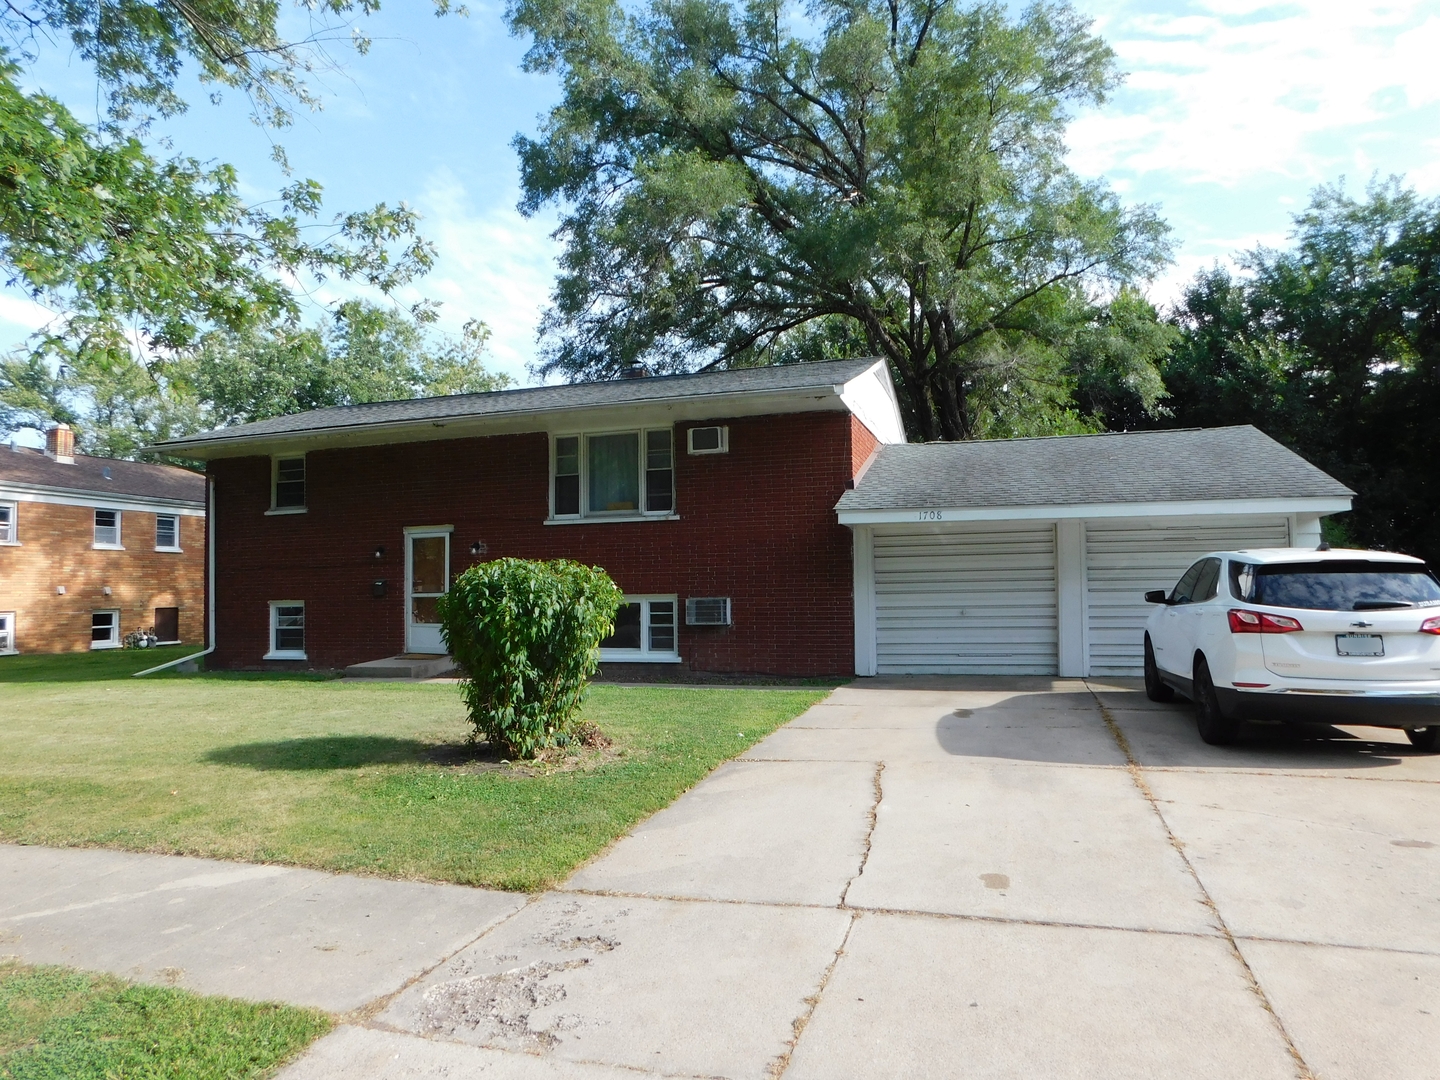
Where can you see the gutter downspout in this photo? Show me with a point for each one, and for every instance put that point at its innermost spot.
(209, 587)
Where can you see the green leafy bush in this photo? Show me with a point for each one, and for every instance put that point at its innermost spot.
(526, 637)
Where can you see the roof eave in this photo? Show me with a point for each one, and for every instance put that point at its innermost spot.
(1322, 505)
(28, 488)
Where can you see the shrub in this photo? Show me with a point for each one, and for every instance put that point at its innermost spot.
(526, 637)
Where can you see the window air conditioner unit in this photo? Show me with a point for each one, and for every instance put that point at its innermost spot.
(707, 611)
(709, 440)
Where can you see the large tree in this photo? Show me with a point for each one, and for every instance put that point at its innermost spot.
(141, 253)
(1333, 347)
(774, 182)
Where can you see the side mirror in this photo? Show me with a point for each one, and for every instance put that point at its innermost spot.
(1157, 596)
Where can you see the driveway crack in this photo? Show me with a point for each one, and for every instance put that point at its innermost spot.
(869, 830)
(1302, 1068)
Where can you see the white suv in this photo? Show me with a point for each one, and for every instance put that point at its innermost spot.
(1299, 635)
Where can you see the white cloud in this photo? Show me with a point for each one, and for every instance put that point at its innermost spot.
(24, 315)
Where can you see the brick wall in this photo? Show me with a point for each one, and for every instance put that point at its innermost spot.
(56, 549)
(756, 524)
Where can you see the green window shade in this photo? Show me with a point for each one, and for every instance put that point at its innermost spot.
(614, 462)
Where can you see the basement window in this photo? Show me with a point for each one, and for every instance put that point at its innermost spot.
(7, 632)
(104, 629)
(287, 630)
(644, 632)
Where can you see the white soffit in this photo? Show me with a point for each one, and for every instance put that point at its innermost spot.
(919, 516)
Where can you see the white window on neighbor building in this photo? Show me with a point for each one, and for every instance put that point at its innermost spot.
(8, 531)
(644, 632)
(104, 629)
(287, 630)
(7, 632)
(167, 532)
(107, 528)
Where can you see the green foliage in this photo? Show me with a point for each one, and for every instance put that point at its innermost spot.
(526, 635)
(56, 1022)
(120, 403)
(757, 183)
(1333, 347)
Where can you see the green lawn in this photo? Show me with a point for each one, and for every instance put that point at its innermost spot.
(359, 777)
(56, 1023)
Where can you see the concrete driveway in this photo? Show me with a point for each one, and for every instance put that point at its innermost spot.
(949, 878)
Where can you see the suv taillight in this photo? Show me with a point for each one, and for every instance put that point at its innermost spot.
(1262, 622)
(1431, 626)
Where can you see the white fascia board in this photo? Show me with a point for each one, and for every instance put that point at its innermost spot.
(1091, 511)
(104, 500)
(564, 420)
(871, 397)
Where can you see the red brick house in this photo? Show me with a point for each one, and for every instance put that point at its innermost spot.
(709, 498)
(93, 548)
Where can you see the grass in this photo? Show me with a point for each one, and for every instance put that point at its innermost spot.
(345, 776)
(57, 1023)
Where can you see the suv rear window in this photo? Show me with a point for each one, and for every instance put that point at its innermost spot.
(1335, 586)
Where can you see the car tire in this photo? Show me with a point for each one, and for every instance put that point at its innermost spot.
(1156, 688)
(1215, 727)
(1424, 738)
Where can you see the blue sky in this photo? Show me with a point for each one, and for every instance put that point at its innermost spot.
(1232, 112)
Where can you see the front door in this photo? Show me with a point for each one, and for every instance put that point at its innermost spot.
(427, 576)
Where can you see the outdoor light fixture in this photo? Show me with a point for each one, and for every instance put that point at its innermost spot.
(105, 590)
(379, 551)
(59, 590)
(478, 548)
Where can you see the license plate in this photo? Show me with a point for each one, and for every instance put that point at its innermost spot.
(1359, 644)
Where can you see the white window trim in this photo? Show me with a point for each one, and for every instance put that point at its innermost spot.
(276, 511)
(586, 515)
(119, 544)
(118, 640)
(177, 546)
(13, 537)
(283, 654)
(643, 655)
(11, 650)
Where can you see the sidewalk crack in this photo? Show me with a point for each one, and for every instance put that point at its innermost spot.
(869, 831)
(798, 1025)
(1302, 1068)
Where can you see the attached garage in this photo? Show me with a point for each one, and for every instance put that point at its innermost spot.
(1032, 556)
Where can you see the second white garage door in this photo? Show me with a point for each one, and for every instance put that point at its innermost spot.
(1125, 558)
(965, 602)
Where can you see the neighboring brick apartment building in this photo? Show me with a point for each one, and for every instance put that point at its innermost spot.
(709, 499)
(94, 548)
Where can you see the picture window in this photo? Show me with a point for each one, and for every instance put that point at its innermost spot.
(614, 474)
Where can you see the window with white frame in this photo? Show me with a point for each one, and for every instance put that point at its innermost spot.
(287, 486)
(287, 630)
(7, 632)
(167, 532)
(7, 523)
(644, 631)
(614, 474)
(107, 528)
(104, 629)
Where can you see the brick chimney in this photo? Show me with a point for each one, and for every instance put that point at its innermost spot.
(60, 444)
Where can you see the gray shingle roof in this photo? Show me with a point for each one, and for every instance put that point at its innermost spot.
(21, 465)
(541, 399)
(1129, 467)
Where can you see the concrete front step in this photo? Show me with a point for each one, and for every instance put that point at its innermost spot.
(404, 666)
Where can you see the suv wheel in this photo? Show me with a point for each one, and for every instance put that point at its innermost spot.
(1215, 727)
(1424, 738)
(1156, 688)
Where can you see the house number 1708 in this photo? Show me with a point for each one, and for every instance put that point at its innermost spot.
(929, 515)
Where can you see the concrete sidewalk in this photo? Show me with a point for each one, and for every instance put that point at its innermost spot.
(917, 878)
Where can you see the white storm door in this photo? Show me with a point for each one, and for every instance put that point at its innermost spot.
(427, 576)
(974, 601)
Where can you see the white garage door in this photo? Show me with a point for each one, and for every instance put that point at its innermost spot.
(972, 602)
(1126, 557)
